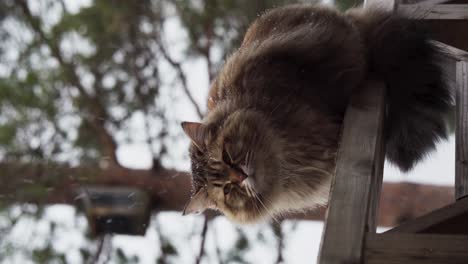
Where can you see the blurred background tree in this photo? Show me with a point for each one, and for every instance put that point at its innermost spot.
(79, 81)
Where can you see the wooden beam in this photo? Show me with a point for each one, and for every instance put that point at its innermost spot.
(411, 201)
(377, 173)
(425, 2)
(390, 5)
(461, 133)
(451, 219)
(454, 54)
(45, 184)
(435, 11)
(351, 211)
(416, 249)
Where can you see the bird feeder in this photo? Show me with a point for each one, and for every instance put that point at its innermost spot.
(115, 210)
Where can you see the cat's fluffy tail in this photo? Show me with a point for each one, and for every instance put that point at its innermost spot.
(401, 54)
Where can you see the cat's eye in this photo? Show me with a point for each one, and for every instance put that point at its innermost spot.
(227, 189)
(217, 185)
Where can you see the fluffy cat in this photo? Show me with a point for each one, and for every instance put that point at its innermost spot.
(269, 141)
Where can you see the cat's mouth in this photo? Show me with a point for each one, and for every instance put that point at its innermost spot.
(236, 190)
(241, 195)
(244, 205)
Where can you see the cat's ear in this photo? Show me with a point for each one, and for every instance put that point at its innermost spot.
(195, 131)
(198, 203)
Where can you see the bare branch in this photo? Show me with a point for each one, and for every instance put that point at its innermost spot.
(99, 249)
(279, 233)
(206, 49)
(107, 249)
(201, 253)
(183, 78)
(64, 7)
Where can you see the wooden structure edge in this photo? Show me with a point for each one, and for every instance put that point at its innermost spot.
(356, 185)
(447, 220)
(445, 12)
(399, 248)
(461, 133)
(439, 237)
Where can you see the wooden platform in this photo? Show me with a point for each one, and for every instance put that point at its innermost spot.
(415, 249)
(350, 229)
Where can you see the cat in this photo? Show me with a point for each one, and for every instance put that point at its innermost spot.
(269, 141)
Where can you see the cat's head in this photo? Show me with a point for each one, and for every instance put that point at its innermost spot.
(231, 157)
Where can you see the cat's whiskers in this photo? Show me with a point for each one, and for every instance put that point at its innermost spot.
(257, 208)
(257, 197)
(247, 188)
(251, 193)
(267, 210)
(256, 203)
(248, 159)
(249, 156)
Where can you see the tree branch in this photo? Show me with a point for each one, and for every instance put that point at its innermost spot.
(279, 233)
(183, 78)
(100, 247)
(170, 189)
(203, 239)
(99, 114)
(206, 49)
(60, 183)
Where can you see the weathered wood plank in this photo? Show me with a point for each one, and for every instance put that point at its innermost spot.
(377, 178)
(416, 249)
(461, 138)
(390, 5)
(354, 192)
(451, 219)
(434, 11)
(424, 2)
(454, 54)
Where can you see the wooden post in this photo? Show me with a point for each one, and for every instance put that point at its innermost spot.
(461, 138)
(356, 185)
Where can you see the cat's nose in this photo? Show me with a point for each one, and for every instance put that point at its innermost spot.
(236, 176)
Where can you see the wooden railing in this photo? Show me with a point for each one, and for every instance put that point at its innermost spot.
(349, 234)
(356, 186)
(461, 137)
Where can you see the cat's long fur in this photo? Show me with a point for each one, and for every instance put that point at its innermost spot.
(279, 101)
